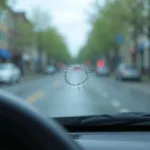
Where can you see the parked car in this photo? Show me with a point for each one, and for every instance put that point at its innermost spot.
(9, 73)
(50, 69)
(127, 72)
(103, 71)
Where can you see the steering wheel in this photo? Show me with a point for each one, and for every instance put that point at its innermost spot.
(22, 127)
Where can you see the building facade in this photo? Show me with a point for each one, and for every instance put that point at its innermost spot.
(14, 33)
(127, 49)
(3, 30)
(24, 53)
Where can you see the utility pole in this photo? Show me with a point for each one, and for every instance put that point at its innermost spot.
(136, 29)
(39, 51)
(134, 33)
(148, 19)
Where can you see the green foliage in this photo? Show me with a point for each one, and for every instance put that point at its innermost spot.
(40, 19)
(26, 35)
(48, 38)
(5, 3)
(116, 17)
(54, 45)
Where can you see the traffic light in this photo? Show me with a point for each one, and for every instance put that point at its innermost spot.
(100, 63)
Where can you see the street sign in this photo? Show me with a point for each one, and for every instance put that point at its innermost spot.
(119, 39)
(140, 47)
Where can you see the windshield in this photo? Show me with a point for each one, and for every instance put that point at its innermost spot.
(131, 67)
(68, 55)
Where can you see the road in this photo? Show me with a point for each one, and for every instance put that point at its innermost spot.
(101, 95)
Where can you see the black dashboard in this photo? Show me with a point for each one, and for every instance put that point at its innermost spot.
(102, 137)
(113, 140)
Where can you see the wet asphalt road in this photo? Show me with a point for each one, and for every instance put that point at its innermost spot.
(101, 95)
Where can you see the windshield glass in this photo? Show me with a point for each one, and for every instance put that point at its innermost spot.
(131, 67)
(70, 56)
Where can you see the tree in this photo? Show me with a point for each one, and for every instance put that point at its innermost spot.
(54, 45)
(114, 18)
(5, 3)
(26, 35)
(47, 37)
(41, 21)
(147, 24)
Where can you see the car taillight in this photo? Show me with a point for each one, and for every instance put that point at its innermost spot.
(122, 72)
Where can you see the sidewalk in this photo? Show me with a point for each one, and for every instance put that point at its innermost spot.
(23, 79)
(141, 87)
(30, 76)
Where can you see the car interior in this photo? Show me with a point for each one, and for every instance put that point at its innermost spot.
(22, 127)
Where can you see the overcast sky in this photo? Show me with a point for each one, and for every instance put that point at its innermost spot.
(68, 16)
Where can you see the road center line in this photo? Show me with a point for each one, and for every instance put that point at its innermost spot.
(116, 103)
(35, 97)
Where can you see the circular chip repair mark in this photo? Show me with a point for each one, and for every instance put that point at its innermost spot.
(77, 85)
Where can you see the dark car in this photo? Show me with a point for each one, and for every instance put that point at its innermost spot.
(50, 70)
(127, 72)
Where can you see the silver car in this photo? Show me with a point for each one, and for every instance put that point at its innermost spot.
(127, 72)
(9, 73)
(103, 71)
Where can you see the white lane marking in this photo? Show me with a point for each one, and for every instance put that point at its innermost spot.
(116, 103)
(124, 110)
(104, 94)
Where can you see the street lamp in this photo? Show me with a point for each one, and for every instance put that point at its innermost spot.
(147, 27)
(148, 19)
(39, 48)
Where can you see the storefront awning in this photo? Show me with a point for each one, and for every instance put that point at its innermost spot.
(5, 54)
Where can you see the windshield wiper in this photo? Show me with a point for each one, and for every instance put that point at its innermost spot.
(130, 118)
